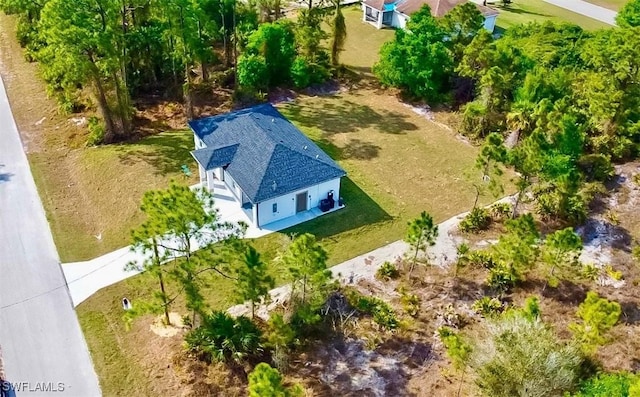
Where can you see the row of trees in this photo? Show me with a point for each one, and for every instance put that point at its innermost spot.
(121, 49)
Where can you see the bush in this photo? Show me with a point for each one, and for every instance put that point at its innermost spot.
(481, 258)
(596, 167)
(387, 271)
(503, 277)
(382, 313)
(476, 220)
(96, 131)
(607, 385)
(500, 211)
(301, 72)
(410, 303)
(224, 338)
(252, 72)
(265, 381)
(487, 306)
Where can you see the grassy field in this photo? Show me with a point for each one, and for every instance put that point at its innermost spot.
(363, 43)
(398, 163)
(615, 5)
(86, 192)
(538, 11)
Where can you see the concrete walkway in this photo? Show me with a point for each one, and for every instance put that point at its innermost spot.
(44, 350)
(587, 9)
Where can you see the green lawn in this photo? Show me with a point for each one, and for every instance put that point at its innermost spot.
(520, 12)
(398, 165)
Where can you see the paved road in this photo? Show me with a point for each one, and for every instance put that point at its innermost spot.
(43, 346)
(587, 9)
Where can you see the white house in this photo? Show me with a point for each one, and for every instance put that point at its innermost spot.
(273, 170)
(396, 13)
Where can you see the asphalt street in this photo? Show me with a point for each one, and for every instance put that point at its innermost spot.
(45, 353)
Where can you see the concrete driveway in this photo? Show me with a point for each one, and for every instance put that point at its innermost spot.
(587, 9)
(44, 350)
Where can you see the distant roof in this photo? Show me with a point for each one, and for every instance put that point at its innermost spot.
(259, 146)
(439, 8)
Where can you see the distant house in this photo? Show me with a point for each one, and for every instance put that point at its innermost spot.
(396, 13)
(272, 169)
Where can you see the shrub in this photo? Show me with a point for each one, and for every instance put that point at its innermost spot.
(457, 349)
(252, 72)
(450, 317)
(596, 167)
(481, 258)
(387, 271)
(301, 72)
(96, 131)
(487, 306)
(224, 338)
(614, 274)
(381, 312)
(607, 385)
(598, 316)
(265, 381)
(476, 220)
(410, 303)
(503, 277)
(500, 211)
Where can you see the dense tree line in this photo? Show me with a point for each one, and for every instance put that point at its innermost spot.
(119, 50)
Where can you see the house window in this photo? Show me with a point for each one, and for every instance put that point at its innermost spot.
(275, 207)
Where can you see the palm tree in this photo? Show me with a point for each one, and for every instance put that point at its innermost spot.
(339, 34)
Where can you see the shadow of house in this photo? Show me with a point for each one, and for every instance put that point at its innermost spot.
(347, 117)
(166, 152)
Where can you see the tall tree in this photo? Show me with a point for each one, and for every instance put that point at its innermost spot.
(461, 25)
(338, 33)
(87, 34)
(417, 60)
(253, 283)
(275, 42)
(560, 254)
(492, 154)
(306, 260)
(421, 234)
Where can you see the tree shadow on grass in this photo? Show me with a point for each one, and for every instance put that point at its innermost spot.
(348, 116)
(521, 11)
(355, 149)
(166, 152)
(360, 210)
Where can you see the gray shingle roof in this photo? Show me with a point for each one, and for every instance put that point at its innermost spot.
(259, 146)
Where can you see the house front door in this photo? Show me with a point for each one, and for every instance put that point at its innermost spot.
(301, 202)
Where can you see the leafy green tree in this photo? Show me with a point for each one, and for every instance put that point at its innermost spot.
(265, 381)
(224, 338)
(526, 159)
(560, 254)
(417, 60)
(515, 356)
(422, 233)
(457, 349)
(306, 260)
(629, 14)
(252, 283)
(252, 72)
(598, 315)
(280, 337)
(338, 34)
(275, 42)
(191, 221)
(86, 34)
(461, 25)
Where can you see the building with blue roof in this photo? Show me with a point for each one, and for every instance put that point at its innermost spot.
(273, 170)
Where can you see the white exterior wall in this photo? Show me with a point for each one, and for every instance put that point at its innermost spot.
(230, 183)
(287, 202)
(399, 20)
(490, 23)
